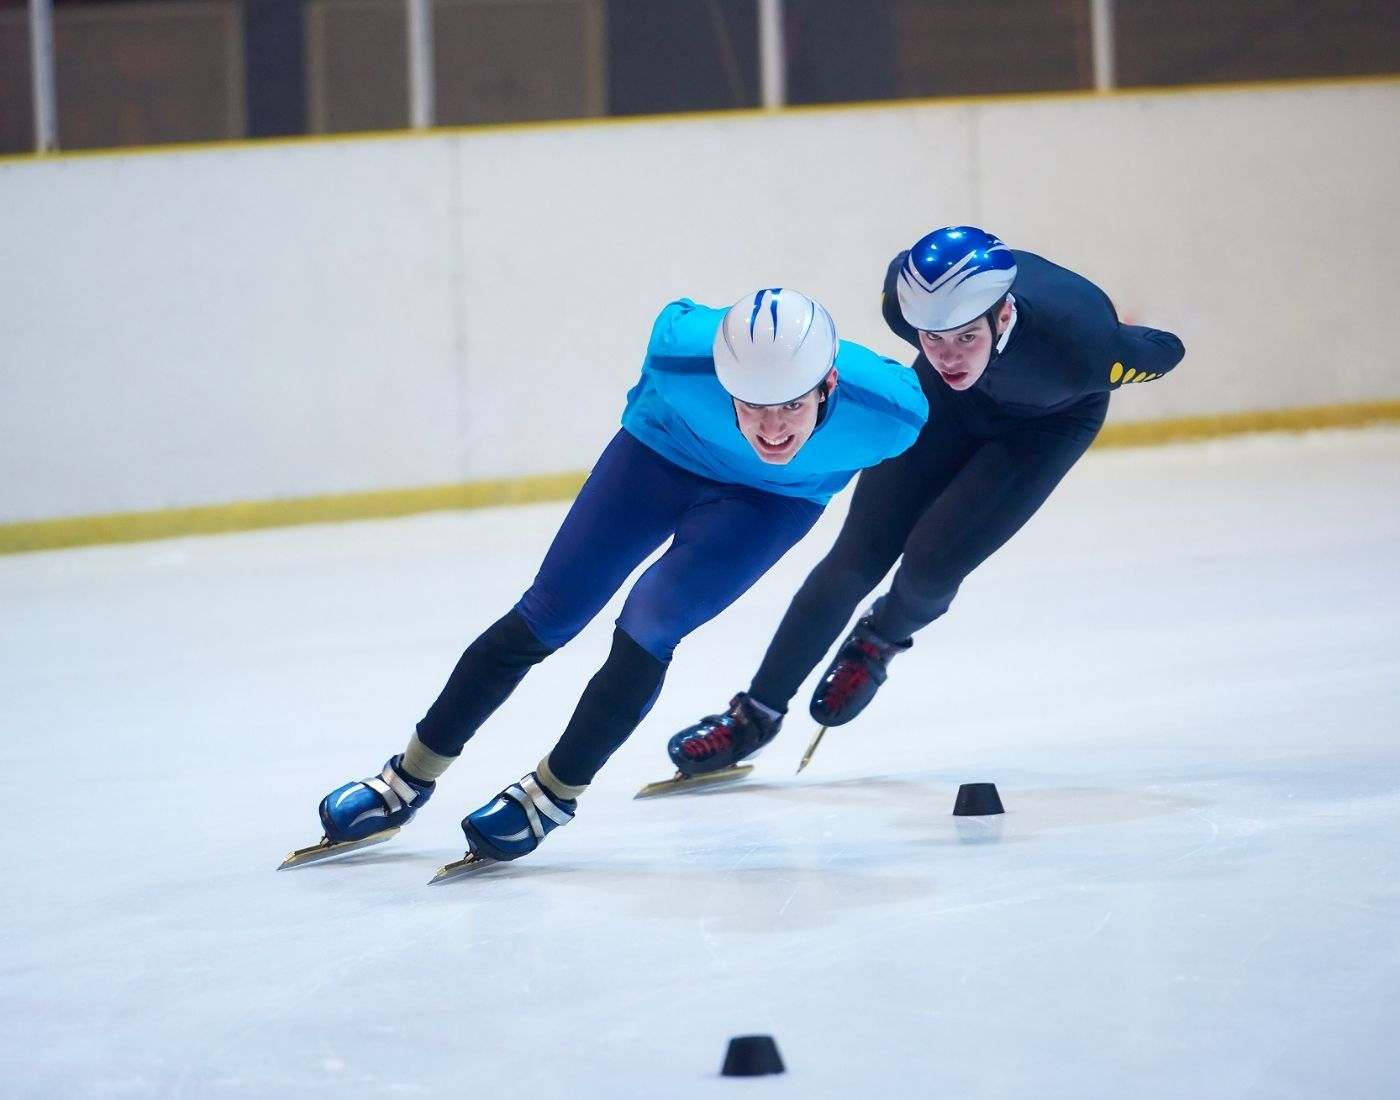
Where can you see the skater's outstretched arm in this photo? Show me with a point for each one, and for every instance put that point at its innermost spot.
(1140, 354)
(1080, 321)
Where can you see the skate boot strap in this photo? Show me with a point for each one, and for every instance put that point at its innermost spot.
(876, 645)
(393, 788)
(535, 800)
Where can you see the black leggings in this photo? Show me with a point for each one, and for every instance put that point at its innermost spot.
(971, 481)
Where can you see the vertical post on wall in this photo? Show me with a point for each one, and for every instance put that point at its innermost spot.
(772, 53)
(1101, 35)
(42, 66)
(420, 63)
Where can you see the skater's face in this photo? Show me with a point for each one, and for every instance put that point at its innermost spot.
(960, 355)
(777, 432)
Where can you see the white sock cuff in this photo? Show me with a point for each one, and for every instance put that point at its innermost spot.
(422, 763)
(554, 784)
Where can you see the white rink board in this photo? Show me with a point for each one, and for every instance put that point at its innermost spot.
(592, 231)
(247, 323)
(237, 324)
(1261, 228)
(1184, 677)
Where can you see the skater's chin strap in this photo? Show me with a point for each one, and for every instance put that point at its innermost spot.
(999, 342)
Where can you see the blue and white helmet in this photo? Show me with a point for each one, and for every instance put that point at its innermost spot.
(773, 346)
(953, 276)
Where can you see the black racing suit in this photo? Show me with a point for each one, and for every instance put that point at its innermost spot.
(984, 463)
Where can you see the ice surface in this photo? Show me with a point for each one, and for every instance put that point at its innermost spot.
(1184, 677)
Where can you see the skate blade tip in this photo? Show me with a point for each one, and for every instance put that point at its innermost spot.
(811, 750)
(298, 856)
(467, 865)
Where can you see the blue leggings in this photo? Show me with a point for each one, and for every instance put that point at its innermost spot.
(723, 538)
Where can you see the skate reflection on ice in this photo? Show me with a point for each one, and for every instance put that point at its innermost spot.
(980, 830)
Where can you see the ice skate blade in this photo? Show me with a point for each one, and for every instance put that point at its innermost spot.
(679, 783)
(325, 849)
(469, 864)
(807, 756)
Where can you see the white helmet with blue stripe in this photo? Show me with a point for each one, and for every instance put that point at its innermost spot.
(773, 346)
(953, 276)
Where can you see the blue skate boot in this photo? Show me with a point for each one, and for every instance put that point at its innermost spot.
(368, 806)
(367, 811)
(513, 823)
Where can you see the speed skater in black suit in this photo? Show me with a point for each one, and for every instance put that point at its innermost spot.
(1017, 358)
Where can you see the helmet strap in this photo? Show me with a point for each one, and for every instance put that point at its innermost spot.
(991, 316)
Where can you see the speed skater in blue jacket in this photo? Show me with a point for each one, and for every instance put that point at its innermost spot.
(742, 426)
(1017, 357)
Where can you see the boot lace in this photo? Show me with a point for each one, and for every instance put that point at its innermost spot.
(715, 740)
(851, 674)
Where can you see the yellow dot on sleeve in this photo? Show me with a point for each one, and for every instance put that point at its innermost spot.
(1131, 373)
(1116, 373)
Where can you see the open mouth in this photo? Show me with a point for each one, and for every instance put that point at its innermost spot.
(775, 444)
(953, 376)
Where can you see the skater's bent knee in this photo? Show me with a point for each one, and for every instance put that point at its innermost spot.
(656, 635)
(537, 623)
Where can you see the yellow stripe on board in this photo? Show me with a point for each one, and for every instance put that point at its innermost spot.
(216, 519)
(54, 534)
(1147, 433)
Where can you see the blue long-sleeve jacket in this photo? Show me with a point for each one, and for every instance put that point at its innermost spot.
(1067, 342)
(679, 409)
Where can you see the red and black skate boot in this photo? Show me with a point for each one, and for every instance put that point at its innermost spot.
(852, 679)
(720, 740)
